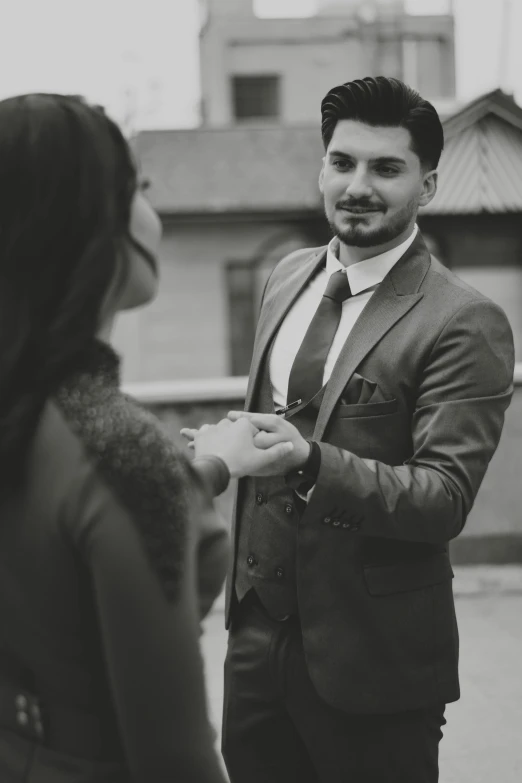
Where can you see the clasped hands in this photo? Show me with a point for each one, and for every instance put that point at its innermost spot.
(251, 444)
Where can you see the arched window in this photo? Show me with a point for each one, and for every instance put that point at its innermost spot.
(246, 282)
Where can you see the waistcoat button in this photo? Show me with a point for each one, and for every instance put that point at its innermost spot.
(259, 498)
(289, 508)
(279, 572)
(251, 560)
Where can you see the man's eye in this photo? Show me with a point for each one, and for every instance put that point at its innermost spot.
(387, 171)
(341, 165)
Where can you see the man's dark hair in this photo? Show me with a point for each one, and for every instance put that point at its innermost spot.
(388, 102)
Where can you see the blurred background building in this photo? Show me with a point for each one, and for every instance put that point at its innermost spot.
(239, 192)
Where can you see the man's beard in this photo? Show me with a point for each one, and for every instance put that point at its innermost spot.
(355, 235)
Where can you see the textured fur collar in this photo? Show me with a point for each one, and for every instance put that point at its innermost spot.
(133, 455)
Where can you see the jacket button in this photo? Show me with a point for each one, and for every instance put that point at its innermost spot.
(289, 508)
(259, 498)
(279, 572)
(251, 560)
(336, 522)
(326, 521)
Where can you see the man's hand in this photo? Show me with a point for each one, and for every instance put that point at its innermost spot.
(234, 443)
(274, 429)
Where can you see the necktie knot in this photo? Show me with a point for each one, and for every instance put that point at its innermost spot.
(338, 287)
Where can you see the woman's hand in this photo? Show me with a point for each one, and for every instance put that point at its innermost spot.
(234, 443)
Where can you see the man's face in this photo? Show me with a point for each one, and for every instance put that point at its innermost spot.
(373, 183)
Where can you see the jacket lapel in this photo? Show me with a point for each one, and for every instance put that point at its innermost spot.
(274, 309)
(394, 297)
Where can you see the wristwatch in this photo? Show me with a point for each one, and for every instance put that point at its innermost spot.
(303, 480)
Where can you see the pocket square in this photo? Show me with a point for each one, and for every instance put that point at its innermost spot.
(359, 390)
(378, 396)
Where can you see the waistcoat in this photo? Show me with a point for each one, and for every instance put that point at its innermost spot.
(268, 518)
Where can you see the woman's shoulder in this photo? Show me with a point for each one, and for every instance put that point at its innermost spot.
(131, 460)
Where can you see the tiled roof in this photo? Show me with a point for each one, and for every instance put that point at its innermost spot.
(234, 169)
(481, 170)
(271, 169)
(481, 166)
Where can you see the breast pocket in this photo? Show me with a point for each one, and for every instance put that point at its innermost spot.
(366, 409)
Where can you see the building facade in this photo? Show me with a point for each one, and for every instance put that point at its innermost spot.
(238, 193)
(278, 70)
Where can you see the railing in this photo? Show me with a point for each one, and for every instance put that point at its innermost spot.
(208, 390)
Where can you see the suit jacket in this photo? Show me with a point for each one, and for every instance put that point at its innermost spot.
(408, 423)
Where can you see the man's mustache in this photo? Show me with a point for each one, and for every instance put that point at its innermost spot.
(358, 205)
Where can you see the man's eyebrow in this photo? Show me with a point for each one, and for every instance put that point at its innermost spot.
(382, 159)
(389, 159)
(339, 154)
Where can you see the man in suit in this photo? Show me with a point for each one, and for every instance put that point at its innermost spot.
(396, 375)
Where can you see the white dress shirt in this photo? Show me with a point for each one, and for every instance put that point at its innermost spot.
(363, 277)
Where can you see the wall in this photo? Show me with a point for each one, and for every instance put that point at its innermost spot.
(307, 70)
(240, 45)
(486, 252)
(493, 532)
(185, 332)
(312, 55)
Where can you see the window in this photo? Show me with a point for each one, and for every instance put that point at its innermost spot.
(426, 67)
(255, 97)
(245, 284)
(242, 315)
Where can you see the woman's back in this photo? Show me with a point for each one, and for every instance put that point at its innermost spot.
(98, 614)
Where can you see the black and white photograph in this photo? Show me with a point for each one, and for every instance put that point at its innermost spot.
(260, 391)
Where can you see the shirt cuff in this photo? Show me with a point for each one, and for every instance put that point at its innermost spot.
(304, 479)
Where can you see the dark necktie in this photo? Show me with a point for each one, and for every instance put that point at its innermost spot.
(306, 375)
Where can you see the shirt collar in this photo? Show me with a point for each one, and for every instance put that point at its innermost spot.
(370, 272)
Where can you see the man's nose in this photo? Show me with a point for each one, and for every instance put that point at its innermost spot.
(359, 185)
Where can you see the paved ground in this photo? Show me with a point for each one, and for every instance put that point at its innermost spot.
(483, 736)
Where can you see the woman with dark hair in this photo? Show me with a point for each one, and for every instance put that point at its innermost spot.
(100, 517)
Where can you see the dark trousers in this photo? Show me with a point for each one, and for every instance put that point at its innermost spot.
(276, 728)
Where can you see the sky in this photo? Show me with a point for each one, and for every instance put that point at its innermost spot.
(139, 58)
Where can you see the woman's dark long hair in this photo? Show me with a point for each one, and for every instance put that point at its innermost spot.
(67, 180)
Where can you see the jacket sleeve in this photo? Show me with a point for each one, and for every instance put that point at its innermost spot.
(464, 390)
(151, 649)
(212, 535)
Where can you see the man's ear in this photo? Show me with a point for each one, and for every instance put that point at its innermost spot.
(321, 177)
(429, 187)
